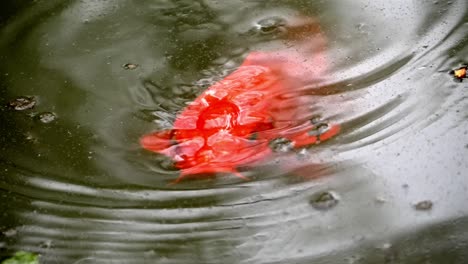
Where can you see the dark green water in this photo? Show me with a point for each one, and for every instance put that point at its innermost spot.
(80, 189)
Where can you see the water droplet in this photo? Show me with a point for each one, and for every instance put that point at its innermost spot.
(423, 205)
(46, 117)
(281, 145)
(22, 103)
(130, 66)
(324, 200)
(270, 25)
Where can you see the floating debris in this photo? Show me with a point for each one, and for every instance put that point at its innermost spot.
(46, 117)
(130, 66)
(281, 145)
(460, 73)
(324, 200)
(10, 232)
(22, 103)
(423, 205)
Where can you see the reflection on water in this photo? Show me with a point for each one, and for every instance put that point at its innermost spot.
(78, 188)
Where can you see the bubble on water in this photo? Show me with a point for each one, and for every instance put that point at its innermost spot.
(22, 103)
(130, 66)
(46, 117)
(319, 129)
(315, 120)
(281, 145)
(322, 128)
(423, 205)
(324, 200)
(270, 25)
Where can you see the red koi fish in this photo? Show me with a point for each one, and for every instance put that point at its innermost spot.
(233, 122)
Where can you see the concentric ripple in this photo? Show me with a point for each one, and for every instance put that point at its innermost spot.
(80, 189)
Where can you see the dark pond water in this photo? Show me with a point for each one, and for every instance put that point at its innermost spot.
(82, 81)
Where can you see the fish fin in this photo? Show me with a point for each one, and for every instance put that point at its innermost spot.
(157, 141)
(185, 173)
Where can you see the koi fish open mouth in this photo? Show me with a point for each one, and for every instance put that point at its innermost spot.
(234, 122)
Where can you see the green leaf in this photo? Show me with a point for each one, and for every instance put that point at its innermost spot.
(22, 257)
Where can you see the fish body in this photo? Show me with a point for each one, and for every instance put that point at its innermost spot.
(233, 122)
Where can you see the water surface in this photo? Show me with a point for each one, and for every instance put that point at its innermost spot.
(80, 189)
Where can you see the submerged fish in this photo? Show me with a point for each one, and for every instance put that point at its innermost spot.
(234, 122)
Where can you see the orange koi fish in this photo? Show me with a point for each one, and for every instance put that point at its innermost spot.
(234, 122)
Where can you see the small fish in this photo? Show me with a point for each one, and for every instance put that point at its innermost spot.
(460, 73)
(234, 122)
